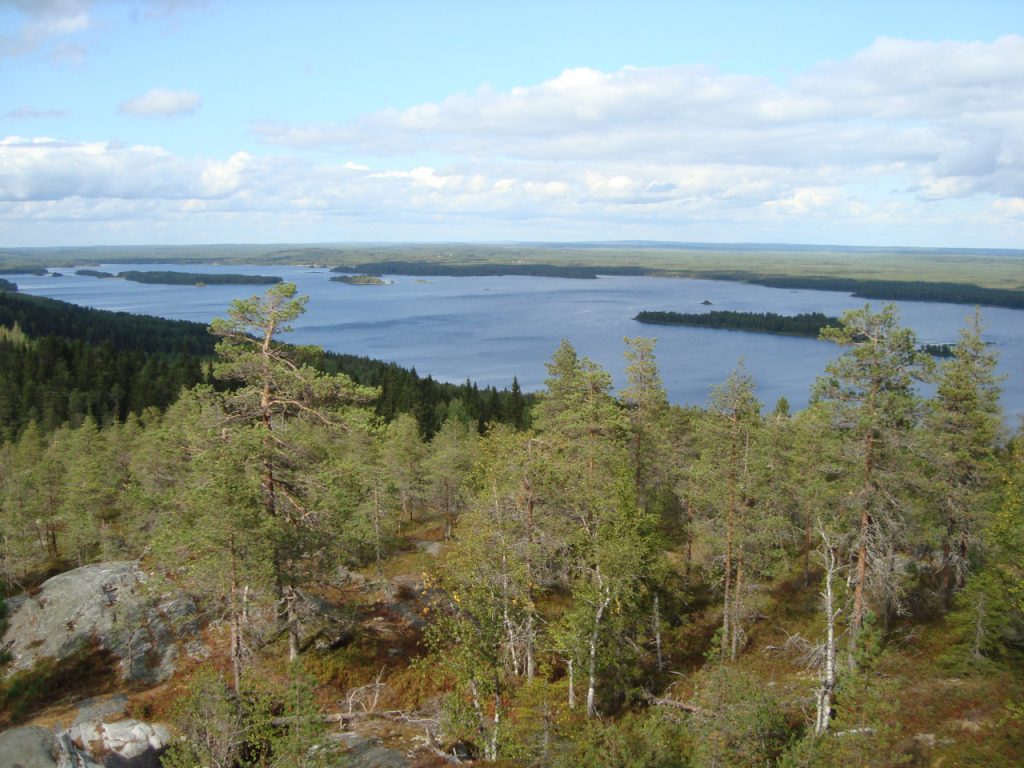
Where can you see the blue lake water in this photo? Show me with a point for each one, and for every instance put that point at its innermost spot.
(490, 329)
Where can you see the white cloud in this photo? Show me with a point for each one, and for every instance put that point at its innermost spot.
(162, 102)
(803, 201)
(44, 21)
(221, 179)
(910, 139)
(936, 109)
(1013, 206)
(46, 169)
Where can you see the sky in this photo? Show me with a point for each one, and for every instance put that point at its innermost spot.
(310, 121)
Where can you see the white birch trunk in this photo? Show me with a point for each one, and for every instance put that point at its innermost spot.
(828, 673)
(531, 664)
(592, 661)
(572, 686)
(293, 624)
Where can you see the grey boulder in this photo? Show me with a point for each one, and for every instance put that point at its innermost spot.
(27, 747)
(106, 605)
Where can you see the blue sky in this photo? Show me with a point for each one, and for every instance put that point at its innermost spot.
(178, 121)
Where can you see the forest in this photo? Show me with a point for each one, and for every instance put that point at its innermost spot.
(484, 269)
(906, 290)
(62, 363)
(358, 279)
(582, 577)
(195, 278)
(805, 324)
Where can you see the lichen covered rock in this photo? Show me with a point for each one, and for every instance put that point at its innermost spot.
(106, 605)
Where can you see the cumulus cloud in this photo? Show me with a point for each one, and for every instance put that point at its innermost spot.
(162, 102)
(933, 110)
(905, 137)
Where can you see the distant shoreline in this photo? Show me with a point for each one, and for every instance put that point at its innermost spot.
(968, 276)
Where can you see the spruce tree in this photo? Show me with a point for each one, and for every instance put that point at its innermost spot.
(962, 429)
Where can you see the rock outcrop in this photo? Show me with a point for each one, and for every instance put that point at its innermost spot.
(101, 736)
(28, 747)
(323, 625)
(121, 744)
(106, 605)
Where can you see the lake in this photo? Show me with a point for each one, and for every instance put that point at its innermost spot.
(490, 329)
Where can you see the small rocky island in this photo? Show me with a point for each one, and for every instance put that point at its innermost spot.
(359, 279)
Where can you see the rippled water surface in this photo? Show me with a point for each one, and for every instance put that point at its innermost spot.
(490, 329)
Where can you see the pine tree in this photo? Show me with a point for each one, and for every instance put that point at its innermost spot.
(870, 397)
(265, 431)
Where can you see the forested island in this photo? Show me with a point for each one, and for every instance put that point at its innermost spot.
(582, 578)
(938, 350)
(442, 269)
(807, 324)
(196, 278)
(94, 273)
(359, 279)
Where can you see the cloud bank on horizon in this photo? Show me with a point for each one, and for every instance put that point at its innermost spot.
(904, 142)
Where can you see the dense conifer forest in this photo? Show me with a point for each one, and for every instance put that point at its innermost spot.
(358, 279)
(484, 269)
(62, 363)
(808, 324)
(580, 578)
(195, 278)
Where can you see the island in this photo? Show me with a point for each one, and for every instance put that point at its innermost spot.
(487, 269)
(94, 273)
(937, 350)
(195, 278)
(809, 324)
(37, 271)
(359, 280)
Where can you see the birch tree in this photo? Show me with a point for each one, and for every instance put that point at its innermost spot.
(726, 476)
(609, 538)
